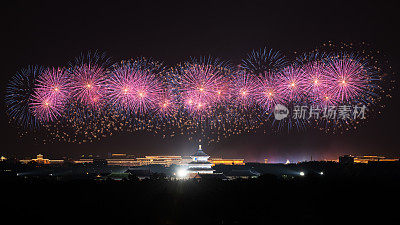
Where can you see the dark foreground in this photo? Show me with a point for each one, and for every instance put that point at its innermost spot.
(265, 200)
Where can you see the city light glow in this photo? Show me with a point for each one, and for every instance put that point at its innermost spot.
(181, 172)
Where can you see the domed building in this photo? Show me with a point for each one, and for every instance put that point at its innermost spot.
(199, 164)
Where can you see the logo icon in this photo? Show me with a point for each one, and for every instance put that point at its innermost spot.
(280, 112)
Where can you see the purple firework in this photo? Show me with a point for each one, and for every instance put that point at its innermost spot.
(88, 84)
(263, 61)
(50, 94)
(18, 97)
(349, 79)
(316, 83)
(202, 84)
(291, 83)
(120, 87)
(145, 89)
(166, 103)
(244, 89)
(133, 88)
(267, 94)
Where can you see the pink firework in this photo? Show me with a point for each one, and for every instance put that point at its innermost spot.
(88, 84)
(166, 104)
(51, 94)
(120, 87)
(267, 94)
(244, 89)
(202, 85)
(133, 89)
(291, 83)
(326, 98)
(145, 90)
(316, 83)
(349, 79)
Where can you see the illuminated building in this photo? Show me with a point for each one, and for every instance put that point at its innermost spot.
(265, 161)
(119, 155)
(125, 160)
(122, 159)
(186, 160)
(199, 164)
(83, 160)
(160, 160)
(349, 159)
(221, 161)
(372, 158)
(40, 160)
(2, 158)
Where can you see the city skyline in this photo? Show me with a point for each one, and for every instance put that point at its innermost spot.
(124, 159)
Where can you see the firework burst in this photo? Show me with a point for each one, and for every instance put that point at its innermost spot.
(88, 79)
(166, 104)
(263, 61)
(19, 94)
(50, 94)
(244, 88)
(350, 80)
(316, 82)
(291, 83)
(202, 84)
(145, 90)
(120, 87)
(267, 94)
(134, 86)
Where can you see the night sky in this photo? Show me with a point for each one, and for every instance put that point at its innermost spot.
(55, 32)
